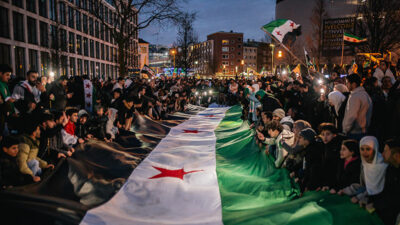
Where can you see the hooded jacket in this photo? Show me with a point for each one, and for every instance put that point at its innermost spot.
(281, 153)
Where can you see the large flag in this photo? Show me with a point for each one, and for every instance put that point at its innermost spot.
(352, 38)
(209, 170)
(147, 70)
(279, 28)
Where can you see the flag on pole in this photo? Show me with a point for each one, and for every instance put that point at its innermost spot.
(297, 70)
(352, 38)
(147, 70)
(308, 59)
(279, 28)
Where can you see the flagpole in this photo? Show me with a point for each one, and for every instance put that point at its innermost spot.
(291, 53)
(341, 59)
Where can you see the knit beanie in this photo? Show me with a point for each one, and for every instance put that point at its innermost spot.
(279, 113)
(308, 134)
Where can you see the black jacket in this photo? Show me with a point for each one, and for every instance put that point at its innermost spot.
(330, 160)
(9, 172)
(97, 126)
(313, 166)
(347, 176)
(60, 95)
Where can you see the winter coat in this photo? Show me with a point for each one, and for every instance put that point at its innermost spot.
(347, 176)
(28, 150)
(280, 153)
(9, 172)
(97, 126)
(313, 166)
(330, 160)
(60, 96)
(358, 112)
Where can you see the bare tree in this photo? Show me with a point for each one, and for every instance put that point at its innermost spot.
(379, 20)
(314, 41)
(186, 37)
(124, 24)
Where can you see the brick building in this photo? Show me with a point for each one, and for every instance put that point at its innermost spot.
(257, 56)
(61, 36)
(228, 52)
(143, 53)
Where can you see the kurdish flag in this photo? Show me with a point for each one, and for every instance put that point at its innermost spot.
(352, 38)
(279, 28)
(209, 170)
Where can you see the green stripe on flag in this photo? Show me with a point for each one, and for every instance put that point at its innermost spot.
(254, 192)
(274, 24)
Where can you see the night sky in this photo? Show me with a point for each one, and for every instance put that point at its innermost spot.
(246, 16)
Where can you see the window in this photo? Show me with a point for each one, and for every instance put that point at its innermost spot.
(32, 33)
(102, 51)
(225, 49)
(225, 42)
(72, 66)
(107, 35)
(78, 20)
(20, 62)
(232, 63)
(43, 8)
(97, 50)
(18, 27)
(92, 69)
(92, 48)
(238, 53)
(105, 14)
(63, 19)
(31, 5)
(102, 32)
(54, 37)
(239, 46)
(33, 60)
(107, 53)
(86, 67)
(91, 28)
(225, 56)
(232, 49)
(18, 3)
(225, 63)
(98, 69)
(85, 23)
(79, 44)
(232, 56)
(78, 3)
(71, 17)
(53, 10)
(85, 47)
(63, 40)
(71, 42)
(4, 24)
(44, 63)
(232, 41)
(96, 27)
(79, 67)
(5, 54)
(84, 4)
(64, 65)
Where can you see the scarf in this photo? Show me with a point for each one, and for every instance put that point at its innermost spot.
(374, 173)
(336, 98)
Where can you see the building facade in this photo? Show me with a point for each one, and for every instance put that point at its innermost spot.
(159, 58)
(61, 36)
(202, 55)
(257, 57)
(250, 58)
(143, 53)
(228, 52)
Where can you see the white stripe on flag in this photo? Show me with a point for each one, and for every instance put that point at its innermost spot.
(195, 199)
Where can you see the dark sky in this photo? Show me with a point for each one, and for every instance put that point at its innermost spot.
(246, 16)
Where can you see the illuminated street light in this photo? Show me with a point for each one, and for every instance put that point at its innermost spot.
(280, 54)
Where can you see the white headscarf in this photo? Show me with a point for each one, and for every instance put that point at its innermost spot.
(255, 87)
(336, 98)
(374, 173)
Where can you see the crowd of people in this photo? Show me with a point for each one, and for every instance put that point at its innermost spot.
(333, 133)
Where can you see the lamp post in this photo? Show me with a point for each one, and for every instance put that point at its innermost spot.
(272, 57)
(173, 52)
(242, 62)
(224, 70)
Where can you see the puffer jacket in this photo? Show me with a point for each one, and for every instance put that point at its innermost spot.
(28, 150)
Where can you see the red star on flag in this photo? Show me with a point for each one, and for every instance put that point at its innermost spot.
(191, 131)
(87, 85)
(172, 173)
(88, 95)
(209, 116)
(292, 24)
(278, 33)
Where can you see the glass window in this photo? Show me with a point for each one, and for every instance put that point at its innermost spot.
(86, 68)
(19, 62)
(43, 8)
(96, 29)
(225, 42)
(225, 49)
(79, 70)
(18, 27)
(79, 44)
(85, 47)
(102, 51)
(63, 40)
(105, 14)
(5, 54)
(18, 3)
(98, 69)
(102, 32)
(53, 10)
(85, 23)
(4, 24)
(92, 48)
(64, 65)
(54, 37)
(31, 5)
(44, 63)
(44, 34)
(63, 19)
(32, 33)
(92, 69)
(84, 4)
(72, 68)
(33, 60)
(107, 53)
(91, 27)
(71, 17)
(78, 3)
(78, 20)
(97, 50)
(71, 43)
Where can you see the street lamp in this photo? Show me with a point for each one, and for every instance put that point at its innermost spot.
(224, 69)
(173, 52)
(242, 62)
(279, 54)
(272, 56)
